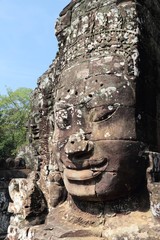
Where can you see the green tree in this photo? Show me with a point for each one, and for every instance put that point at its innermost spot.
(14, 111)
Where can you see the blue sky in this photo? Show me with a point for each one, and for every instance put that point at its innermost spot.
(27, 41)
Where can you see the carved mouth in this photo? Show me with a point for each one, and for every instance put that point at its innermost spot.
(81, 164)
(86, 174)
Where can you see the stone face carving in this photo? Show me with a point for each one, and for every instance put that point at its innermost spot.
(96, 138)
(91, 124)
(94, 124)
(12, 168)
(96, 110)
(28, 200)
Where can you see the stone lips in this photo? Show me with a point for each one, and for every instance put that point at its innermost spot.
(86, 174)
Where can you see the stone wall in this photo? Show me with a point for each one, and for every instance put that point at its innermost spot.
(149, 68)
(101, 43)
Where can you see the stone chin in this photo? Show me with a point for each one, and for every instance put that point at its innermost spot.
(91, 188)
(81, 183)
(101, 185)
(83, 189)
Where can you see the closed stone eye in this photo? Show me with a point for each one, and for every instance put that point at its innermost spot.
(104, 115)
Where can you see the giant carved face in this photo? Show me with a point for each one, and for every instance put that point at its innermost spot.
(95, 137)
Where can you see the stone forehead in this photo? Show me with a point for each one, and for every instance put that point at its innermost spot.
(123, 95)
(77, 86)
(108, 64)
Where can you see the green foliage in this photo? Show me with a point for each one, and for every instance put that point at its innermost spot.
(14, 111)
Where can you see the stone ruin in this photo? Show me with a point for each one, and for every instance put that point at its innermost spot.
(94, 129)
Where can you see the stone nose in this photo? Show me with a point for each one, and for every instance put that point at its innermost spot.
(77, 144)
